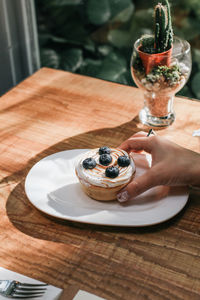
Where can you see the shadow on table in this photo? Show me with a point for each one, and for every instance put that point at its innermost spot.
(32, 222)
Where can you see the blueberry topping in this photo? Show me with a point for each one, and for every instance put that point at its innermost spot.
(112, 172)
(105, 159)
(123, 161)
(104, 150)
(89, 163)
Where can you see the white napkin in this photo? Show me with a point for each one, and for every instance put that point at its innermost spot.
(196, 132)
(52, 292)
(83, 295)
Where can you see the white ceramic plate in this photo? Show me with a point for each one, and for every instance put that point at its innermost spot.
(53, 188)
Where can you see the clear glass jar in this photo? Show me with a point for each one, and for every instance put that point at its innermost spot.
(160, 76)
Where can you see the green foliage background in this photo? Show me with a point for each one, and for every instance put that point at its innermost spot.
(95, 37)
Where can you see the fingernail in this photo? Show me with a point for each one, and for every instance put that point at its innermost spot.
(123, 196)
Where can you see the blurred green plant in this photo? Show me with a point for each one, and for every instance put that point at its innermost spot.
(95, 37)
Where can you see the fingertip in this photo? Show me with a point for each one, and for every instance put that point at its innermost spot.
(123, 196)
(140, 134)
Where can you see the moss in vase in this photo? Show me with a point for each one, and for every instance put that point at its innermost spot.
(171, 75)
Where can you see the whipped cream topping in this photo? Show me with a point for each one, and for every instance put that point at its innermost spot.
(96, 176)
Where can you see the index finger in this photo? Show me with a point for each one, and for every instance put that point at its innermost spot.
(137, 144)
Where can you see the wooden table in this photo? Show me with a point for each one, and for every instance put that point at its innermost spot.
(53, 111)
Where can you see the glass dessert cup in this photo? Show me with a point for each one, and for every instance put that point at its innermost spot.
(160, 76)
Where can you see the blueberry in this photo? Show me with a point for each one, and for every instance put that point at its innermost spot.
(112, 172)
(104, 150)
(89, 163)
(123, 161)
(105, 159)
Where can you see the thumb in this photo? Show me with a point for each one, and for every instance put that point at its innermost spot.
(138, 186)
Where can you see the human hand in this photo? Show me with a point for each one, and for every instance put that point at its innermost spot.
(172, 165)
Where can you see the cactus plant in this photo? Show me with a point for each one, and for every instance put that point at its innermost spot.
(147, 44)
(163, 27)
(163, 37)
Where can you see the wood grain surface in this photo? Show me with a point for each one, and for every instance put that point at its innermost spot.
(53, 111)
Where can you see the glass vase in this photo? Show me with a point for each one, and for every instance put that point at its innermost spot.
(160, 76)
